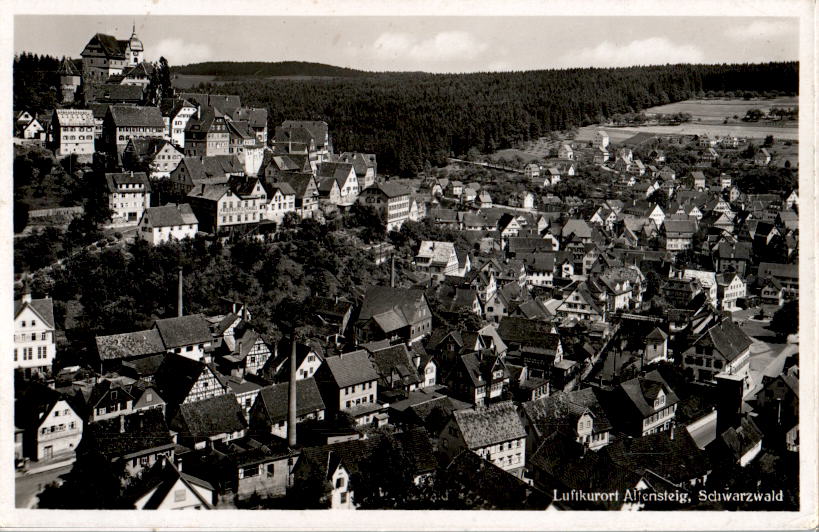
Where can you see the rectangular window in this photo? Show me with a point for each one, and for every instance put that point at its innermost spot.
(179, 495)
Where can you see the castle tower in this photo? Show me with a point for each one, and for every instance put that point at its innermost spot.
(69, 80)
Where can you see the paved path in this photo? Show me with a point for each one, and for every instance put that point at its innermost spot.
(28, 486)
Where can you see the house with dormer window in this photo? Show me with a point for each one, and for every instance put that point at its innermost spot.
(645, 405)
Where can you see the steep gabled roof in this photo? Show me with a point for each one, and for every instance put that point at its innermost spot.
(43, 307)
(274, 399)
(209, 417)
(136, 116)
(349, 369)
(184, 330)
(129, 345)
(489, 425)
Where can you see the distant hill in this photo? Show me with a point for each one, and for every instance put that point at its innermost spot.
(265, 70)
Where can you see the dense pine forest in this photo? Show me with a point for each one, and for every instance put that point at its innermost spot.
(409, 119)
(261, 69)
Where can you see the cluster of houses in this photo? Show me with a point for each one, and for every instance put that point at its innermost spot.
(207, 151)
(587, 344)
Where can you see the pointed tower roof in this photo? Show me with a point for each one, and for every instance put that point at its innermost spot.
(67, 68)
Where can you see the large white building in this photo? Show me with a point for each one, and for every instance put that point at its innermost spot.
(129, 194)
(168, 222)
(72, 132)
(34, 346)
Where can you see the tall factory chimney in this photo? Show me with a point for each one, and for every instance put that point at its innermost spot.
(179, 295)
(291, 403)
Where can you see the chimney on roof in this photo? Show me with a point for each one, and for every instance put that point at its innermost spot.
(179, 308)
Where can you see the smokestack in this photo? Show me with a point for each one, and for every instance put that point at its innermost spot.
(179, 295)
(392, 271)
(291, 403)
(672, 431)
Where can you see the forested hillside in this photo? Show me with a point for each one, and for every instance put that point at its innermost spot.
(408, 119)
(263, 69)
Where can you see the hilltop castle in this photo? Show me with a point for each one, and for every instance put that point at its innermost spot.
(105, 56)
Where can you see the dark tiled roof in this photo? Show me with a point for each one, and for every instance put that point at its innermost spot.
(349, 369)
(489, 425)
(135, 116)
(398, 307)
(641, 392)
(135, 434)
(274, 399)
(552, 413)
(678, 460)
(299, 182)
(209, 417)
(183, 331)
(128, 345)
(356, 456)
(528, 333)
(170, 215)
(395, 363)
(177, 375)
(729, 339)
(490, 487)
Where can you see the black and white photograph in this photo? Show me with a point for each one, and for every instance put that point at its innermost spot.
(469, 260)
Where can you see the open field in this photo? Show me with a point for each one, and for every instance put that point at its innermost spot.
(715, 111)
(707, 119)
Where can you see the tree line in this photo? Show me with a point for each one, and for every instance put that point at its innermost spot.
(410, 119)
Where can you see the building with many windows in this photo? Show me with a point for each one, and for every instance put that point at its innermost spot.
(72, 132)
(34, 346)
(392, 200)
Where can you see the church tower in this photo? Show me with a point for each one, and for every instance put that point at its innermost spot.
(135, 50)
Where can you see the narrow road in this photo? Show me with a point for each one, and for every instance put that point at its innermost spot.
(27, 487)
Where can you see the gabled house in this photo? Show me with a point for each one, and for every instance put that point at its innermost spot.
(478, 377)
(124, 122)
(365, 167)
(396, 369)
(349, 383)
(393, 313)
(494, 433)
(721, 351)
(188, 336)
(138, 440)
(439, 259)
(207, 133)
(203, 422)
(184, 381)
(167, 488)
(762, 157)
(159, 156)
(656, 349)
(34, 330)
(644, 405)
(269, 412)
(345, 177)
(168, 222)
(52, 427)
(576, 414)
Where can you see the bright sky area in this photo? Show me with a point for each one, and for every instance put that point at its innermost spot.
(432, 44)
